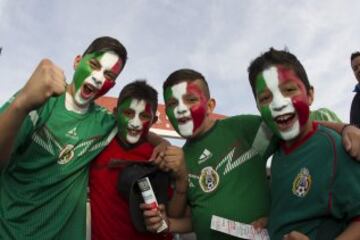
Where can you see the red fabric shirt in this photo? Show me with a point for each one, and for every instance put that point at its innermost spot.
(110, 216)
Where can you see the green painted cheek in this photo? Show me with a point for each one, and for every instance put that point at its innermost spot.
(84, 70)
(122, 123)
(171, 116)
(170, 111)
(267, 117)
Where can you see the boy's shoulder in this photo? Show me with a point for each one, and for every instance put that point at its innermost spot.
(243, 118)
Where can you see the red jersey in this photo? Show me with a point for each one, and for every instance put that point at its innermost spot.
(110, 216)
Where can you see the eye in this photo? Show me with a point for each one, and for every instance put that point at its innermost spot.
(144, 116)
(190, 99)
(264, 98)
(171, 103)
(110, 75)
(128, 113)
(94, 64)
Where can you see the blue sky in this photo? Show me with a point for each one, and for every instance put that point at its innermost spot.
(217, 38)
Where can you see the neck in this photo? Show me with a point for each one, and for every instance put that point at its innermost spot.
(71, 105)
(206, 126)
(304, 131)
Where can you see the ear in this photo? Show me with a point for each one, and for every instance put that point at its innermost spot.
(311, 95)
(77, 61)
(211, 104)
(115, 112)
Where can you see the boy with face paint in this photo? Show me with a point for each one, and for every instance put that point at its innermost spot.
(225, 159)
(135, 113)
(50, 133)
(311, 172)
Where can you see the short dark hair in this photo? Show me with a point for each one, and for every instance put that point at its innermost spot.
(106, 43)
(139, 89)
(274, 57)
(187, 75)
(354, 55)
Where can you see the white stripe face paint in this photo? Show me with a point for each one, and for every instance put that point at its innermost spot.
(135, 123)
(280, 105)
(181, 111)
(97, 77)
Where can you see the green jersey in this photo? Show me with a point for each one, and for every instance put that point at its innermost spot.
(43, 188)
(227, 176)
(324, 114)
(312, 182)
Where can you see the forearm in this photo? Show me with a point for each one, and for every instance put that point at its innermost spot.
(180, 225)
(177, 205)
(338, 127)
(352, 232)
(10, 123)
(155, 139)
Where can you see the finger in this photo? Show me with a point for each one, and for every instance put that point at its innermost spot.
(347, 142)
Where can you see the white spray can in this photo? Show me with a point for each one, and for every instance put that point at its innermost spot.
(150, 198)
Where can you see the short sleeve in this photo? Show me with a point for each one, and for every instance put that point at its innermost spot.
(255, 132)
(324, 114)
(31, 122)
(346, 186)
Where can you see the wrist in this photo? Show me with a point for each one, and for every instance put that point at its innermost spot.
(344, 127)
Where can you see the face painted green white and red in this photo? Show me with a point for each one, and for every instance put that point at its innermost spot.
(95, 75)
(282, 100)
(186, 106)
(134, 118)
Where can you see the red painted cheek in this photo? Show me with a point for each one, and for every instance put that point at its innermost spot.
(302, 109)
(146, 128)
(198, 115)
(105, 87)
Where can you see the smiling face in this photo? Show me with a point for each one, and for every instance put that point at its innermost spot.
(283, 101)
(186, 108)
(134, 119)
(94, 75)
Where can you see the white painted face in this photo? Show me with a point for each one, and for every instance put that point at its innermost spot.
(98, 81)
(135, 125)
(182, 112)
(280, 105)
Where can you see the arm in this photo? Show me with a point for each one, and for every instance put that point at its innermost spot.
(159, 143)
(174, 160)
(154, 217)
(47, 80)
(350, 137)
(352, 232)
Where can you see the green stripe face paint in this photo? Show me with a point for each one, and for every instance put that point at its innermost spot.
(91, 77)
(170, 109)
(265, 110)
(134, 118)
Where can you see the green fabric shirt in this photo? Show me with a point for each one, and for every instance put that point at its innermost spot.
(43, 189)
(312, 182)
(227, 174)
(324, 114)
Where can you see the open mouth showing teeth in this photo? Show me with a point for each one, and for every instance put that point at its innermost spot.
(133, 132)
(285, 121)
(88, 90)
(183, 120)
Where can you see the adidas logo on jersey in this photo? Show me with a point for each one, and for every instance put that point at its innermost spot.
(205, 155)
(72, 133)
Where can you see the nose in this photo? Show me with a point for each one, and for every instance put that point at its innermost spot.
(96, 81)
(134, 126)
(181, 109)
(279, 108)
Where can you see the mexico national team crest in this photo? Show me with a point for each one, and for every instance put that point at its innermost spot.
(66, 154)
(209, 179)
(302, 183)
